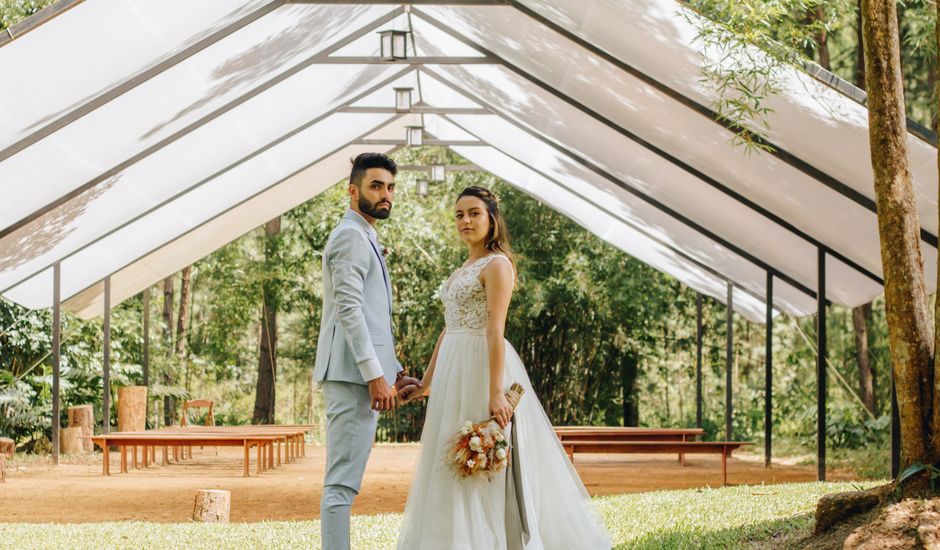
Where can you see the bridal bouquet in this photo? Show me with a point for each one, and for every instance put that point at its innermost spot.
(481, 449)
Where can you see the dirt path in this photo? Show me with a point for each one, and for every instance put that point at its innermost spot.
(77, 493)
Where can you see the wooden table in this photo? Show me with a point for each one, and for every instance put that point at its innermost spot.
(724, 448)
(265, 438)
(628, 433)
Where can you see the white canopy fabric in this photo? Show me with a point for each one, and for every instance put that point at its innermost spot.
(137, 137)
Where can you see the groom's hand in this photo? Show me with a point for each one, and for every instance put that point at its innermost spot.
(381, 394)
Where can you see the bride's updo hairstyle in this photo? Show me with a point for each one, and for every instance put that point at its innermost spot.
(497, 240)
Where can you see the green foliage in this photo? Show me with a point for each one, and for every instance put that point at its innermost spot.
(748, 42)
(14, 11)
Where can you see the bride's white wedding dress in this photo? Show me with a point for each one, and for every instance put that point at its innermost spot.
(444, 512)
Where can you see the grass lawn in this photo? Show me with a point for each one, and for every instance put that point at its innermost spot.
(735, 517)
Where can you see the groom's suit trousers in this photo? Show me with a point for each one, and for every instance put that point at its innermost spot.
(350, 432)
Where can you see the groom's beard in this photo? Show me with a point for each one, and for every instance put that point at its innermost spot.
(367, 207)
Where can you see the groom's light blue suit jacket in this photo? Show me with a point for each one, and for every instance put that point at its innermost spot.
(356, 343)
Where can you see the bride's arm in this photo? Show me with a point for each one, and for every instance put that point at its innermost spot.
(498, 280)
(429, 373)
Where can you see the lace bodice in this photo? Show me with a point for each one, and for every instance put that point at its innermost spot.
(464, 296)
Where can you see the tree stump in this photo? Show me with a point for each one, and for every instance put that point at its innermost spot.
(83, 416)
(212, 506)
(69, 441)
(7, 446)
(132, 408)
(132, 411)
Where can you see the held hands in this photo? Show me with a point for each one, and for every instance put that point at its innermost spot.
(383, 396)
(500, 409)
(409, 388)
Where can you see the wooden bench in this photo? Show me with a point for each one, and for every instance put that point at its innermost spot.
(265, 438)
(125, 440)
(724, 448)
(620, 433)
(291, 436)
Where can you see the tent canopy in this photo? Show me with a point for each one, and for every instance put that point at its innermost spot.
(137, 137)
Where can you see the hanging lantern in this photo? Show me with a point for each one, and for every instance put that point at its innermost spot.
(414, 135)
(403, 99)
(422, 187)
(437, 172)
(393, 45)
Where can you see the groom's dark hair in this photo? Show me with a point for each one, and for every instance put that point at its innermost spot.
(369, 160)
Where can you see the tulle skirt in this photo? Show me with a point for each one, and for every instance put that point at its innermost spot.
(446, 512)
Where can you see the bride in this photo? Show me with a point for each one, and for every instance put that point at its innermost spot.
(540, 502)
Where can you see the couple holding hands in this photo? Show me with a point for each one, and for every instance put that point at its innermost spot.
(538, 503)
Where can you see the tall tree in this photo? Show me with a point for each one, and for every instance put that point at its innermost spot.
(169, 402)
(182, 324)
(910, 328)
(267, 348)
(821, 36)
(859, 72)
(182, 321)
(866, 381)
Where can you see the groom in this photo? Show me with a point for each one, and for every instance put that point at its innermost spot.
(356, 364)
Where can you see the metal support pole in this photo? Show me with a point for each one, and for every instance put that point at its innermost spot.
(821, 357)
(895, 431)
(698, 360)
(729, 361)
(56, 356)
(106, 364)
(769, 372)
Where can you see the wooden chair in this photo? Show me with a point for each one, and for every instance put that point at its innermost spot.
(197, 404)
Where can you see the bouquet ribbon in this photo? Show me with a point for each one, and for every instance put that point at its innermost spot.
(517, 524)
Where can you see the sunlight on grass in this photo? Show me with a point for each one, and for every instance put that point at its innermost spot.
(730, 517)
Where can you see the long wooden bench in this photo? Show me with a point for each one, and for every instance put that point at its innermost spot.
(724, 448)
(628, 433)
(265, 438)
(291, 436)
(125, 440)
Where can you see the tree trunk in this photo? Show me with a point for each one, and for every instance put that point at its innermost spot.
(182, 325)
(934, 440)
(168, 309)
(866, 385)
(212, 506)
(822, 38)
(69, 442)
(267, 350)
(83, 416)
(910, 332)
(628, 372)
(859, 50)
(311, 388)
(7, 446)
(182, 322)
(169, 402)
(132, 408)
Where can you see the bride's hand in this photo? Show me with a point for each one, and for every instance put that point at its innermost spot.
(500, 409)
(409, 393)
